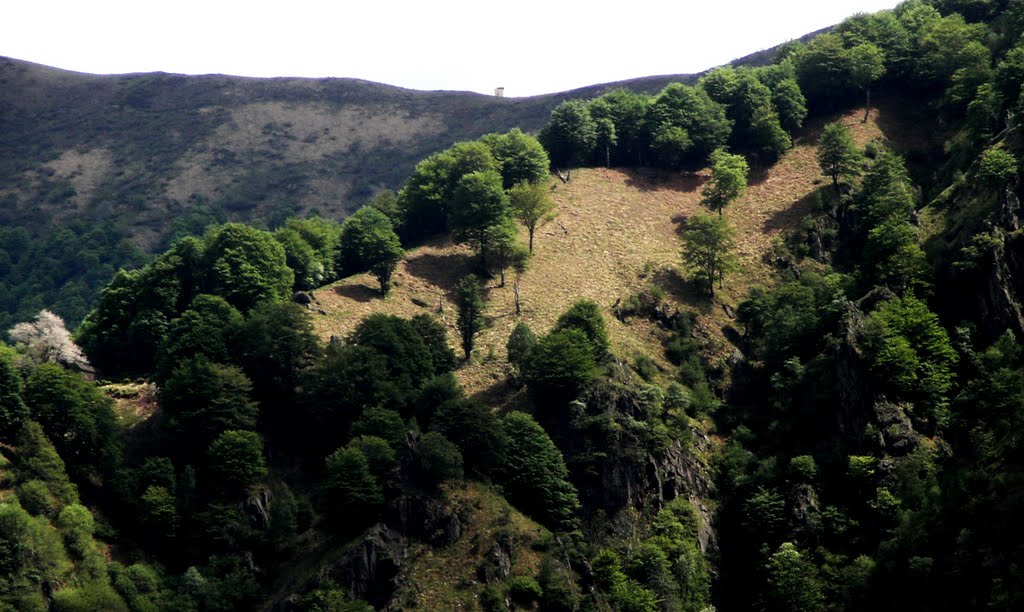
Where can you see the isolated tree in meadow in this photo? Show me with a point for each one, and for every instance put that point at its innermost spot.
(867, 65)
(728, 180)
(369, 241)
(708, 242)
(837, 153)
(470, 307)
(503, 247)
(531, 206)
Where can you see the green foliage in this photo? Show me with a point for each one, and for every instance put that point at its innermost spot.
(728, 180)
(691, 110)
(997, 166)
(627, 111)
(425, 199)
(524, 591)
(531, 206)
(559, 366)
(382, 423)
(205, 399)
(792, 582)
(911, 353)
(13, 411)
(439, 459)
(301, 258)
(520, 157)
(470, 306)
(409, 362)
(37, 460)
(435, 338)
(475, 429)
(585, 316)
(352, 493)
(534, 474)
(520, 342)
(31, 555)
(369, 242)
(570, 134)
(275, 344)
(236, 460)
(837, 154)
(246, 266)
(77, 418)
(708, 242)
(478, 204)
(208, 328)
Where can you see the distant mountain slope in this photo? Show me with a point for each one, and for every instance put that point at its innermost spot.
(143, 150)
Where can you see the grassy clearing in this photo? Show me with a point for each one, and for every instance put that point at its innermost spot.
(616, 230)
(134, 403)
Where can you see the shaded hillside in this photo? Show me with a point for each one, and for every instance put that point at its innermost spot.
(143, 150)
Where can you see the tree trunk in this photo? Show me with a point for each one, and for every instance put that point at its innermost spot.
(607, 157)
(515, 291)
(867, 104)
(531, 228)
(502, 278)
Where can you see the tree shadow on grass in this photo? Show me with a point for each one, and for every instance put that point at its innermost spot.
(685, 290)
(789, 218)
(441, 270)
(653, 179)
(358, 293)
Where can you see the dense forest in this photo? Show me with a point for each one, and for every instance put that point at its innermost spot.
(846, 441)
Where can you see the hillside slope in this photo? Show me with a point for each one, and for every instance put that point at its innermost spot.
(617, 231)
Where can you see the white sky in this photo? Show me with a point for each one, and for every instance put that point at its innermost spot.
(527, 46)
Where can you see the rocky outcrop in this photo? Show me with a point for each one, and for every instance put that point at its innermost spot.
(369, 567)
(633, 468)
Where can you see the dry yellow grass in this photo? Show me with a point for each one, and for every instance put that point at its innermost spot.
(615, 230)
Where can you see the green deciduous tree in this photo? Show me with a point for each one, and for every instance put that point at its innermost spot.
(708, 243)
(793, 583)
(13, 411)
(867, 65)
(570, 134)
(585, 316)
(628, 113)
(692, 110)
(236, 460)
(728, 180)
(369, 242)
(352, 493)
(559, 366)
(520, 342)
(534, 474)
(478, 204)
(209, 328)
(520, 157)
(205, 399)
(474, 428)
(77, 417)
(837, 154)
(606, 139)
(426, 196)
(470, 307)
(531, 206)
(911, 353)
(246, 266)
